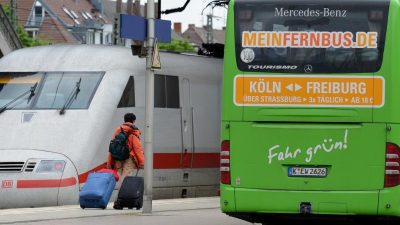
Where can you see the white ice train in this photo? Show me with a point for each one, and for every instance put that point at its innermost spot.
(61, 104)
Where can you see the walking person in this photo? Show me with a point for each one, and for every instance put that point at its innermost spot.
(131, 148)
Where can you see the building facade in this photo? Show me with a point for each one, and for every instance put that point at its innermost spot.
(63, 21)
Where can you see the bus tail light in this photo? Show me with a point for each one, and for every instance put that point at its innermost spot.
(392, 166)
(225, 163)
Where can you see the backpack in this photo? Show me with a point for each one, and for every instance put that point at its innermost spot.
(119, 147)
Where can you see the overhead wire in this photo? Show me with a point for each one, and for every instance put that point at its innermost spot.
(215, 3)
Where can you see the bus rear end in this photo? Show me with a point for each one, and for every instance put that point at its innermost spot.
(310, 121)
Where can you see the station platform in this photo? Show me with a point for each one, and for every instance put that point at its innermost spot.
(32, 215)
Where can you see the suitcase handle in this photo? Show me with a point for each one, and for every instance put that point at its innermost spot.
(137, 167)
(137, 171)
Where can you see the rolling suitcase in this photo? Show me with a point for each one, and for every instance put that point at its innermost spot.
(131, 193)
(113, 172)
(97, 190)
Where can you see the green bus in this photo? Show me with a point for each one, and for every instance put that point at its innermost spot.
(311, 109)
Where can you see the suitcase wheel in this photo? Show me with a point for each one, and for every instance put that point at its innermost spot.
(117, 207)
(130, 207)
(83, 207)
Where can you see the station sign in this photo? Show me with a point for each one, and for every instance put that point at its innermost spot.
(135, 28)
(309, 91)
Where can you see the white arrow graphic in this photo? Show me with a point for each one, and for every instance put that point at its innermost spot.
(297, 87)
(294, 87)
(290, 87)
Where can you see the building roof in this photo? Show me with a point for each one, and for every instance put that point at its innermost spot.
(65, 10)
(55, 32)
(75, 12)
(198, 35)
(61, 19)
(24, 8)
(177, 36)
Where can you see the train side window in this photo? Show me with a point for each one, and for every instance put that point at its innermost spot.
(172, 84)
(128, 97)
(159, 91)
(166, 91)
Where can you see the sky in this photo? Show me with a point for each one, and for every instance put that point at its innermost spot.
(192, 13)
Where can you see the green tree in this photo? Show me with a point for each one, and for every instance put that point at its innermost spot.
(177, 46)
(23, 35)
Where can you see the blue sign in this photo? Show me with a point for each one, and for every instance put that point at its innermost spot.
(163, 30)
(135, 28)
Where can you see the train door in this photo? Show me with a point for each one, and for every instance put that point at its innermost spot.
(187, 127)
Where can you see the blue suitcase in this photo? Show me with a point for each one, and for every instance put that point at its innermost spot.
(97, 191)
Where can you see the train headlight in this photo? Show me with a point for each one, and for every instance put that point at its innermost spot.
(51, 166)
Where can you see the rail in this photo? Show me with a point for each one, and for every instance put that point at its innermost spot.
(8, 31)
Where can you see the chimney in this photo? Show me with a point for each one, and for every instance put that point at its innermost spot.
(191, 26)
(129, 7)
(178, 28)
(136, 8)
(118, 6)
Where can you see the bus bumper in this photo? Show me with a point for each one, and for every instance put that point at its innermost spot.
(246, 202)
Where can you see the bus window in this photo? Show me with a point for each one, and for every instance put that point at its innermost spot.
(57, 88)
(331, 37)
(13, 85)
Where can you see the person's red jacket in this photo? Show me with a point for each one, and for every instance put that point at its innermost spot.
(135, 146)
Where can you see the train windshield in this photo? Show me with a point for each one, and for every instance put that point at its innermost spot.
(48, 90)
(58, 88)
(13, 87)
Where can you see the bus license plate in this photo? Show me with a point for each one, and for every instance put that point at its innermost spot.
(307, 172)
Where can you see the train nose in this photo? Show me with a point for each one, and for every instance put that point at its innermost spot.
(34, 178)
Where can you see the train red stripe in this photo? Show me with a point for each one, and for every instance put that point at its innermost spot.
(167, 161)
(206, 160)
(173, 161)
(161, 161)
(54, 183)
(188, 160)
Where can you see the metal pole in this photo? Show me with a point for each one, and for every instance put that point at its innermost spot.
(148, 146)
(118, 8)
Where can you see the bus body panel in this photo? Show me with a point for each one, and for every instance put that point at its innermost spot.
(264, 156)
(355, 180)
(384, 202)
(335, 202)
(230, 111)
(390, 68)
(389, 202)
